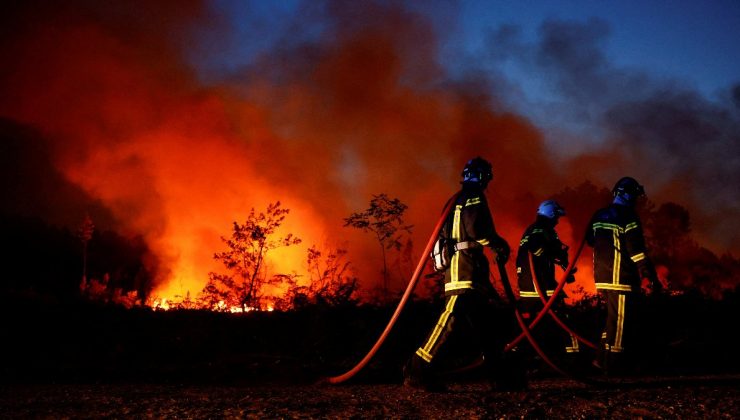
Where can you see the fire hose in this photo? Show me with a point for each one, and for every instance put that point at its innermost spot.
(552, 299)
(526, 329)
(410, 288)
(550, 312)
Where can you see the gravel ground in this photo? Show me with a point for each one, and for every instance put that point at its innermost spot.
(678, 397)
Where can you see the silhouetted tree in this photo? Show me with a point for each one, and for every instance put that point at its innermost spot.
(248, 246)
(85, 232)
(687, 264)
(125, 261)
(330, 281)
(384, 218)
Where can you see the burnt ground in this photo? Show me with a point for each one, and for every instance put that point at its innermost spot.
(77, 360)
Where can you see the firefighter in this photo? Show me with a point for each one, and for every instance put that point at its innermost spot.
(621, 266)
(547, 251)
(470, 299)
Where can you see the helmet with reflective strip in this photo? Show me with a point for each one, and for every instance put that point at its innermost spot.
(477, 170)
(627, 190)
(550, 209)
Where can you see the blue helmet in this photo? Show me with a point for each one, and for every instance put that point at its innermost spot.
(627, 190)
(550, 209)
(477, 170)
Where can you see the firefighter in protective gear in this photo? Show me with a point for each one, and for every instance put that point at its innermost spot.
(621, 263)
(470, 299)
(547, 251)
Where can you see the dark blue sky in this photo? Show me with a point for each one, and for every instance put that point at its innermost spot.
(692, 41)
(695, 41)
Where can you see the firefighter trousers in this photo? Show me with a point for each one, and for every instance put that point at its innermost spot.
(487, 328)
(616, 338)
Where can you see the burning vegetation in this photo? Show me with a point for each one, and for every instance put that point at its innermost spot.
(115, 269)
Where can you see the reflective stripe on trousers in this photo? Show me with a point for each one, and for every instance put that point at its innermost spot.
(429, 349)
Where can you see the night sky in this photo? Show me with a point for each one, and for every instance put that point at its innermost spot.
(172, 120)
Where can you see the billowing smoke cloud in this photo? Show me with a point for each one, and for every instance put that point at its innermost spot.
(350, 102)
(736, 97)
(690, 151)
(682, 146)
(31, 184)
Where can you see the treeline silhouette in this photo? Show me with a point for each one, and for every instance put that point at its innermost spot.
(42, 260)
(46, 260)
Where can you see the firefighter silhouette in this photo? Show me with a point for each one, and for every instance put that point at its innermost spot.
(541, 244)
(470, 302)
(621, 264)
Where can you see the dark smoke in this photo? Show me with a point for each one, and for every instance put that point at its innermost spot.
(684, 147)
(32, 185)
(691, 151)
(736, 96)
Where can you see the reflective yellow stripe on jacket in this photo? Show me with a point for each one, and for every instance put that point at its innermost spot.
(455, 282)
(458, 285)
(455, 262)
(617, 262)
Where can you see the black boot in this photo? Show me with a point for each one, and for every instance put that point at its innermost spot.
(413, 372)
(417, 374)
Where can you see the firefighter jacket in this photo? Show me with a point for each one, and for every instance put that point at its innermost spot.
(469, 226)
(540, 240)
(620, 258)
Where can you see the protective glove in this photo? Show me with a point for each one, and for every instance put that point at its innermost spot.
(571, 278)
(502, 253)
(561, 256)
